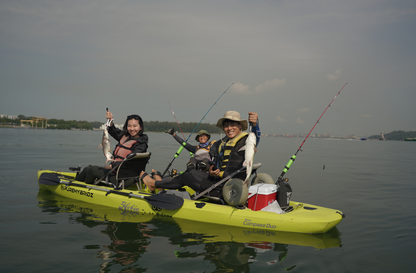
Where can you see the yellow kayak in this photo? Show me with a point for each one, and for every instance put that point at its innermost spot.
(210, 233)
(304, 218)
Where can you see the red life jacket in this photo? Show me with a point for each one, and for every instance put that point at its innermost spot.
(123, 148)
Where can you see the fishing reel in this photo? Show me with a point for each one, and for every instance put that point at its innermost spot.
(173, 173)
(75, 169)
(282, 180)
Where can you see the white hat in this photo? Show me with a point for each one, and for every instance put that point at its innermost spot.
(235, 116)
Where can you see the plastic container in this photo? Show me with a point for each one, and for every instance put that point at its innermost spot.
(261, 195)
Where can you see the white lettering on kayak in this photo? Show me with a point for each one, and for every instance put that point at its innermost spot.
(247, 222)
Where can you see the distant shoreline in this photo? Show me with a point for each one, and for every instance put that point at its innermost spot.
(395, 138)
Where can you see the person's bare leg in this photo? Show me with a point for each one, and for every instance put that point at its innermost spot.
(148, 181)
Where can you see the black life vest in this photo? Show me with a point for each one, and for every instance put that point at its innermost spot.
(229, 159)
(123, 148)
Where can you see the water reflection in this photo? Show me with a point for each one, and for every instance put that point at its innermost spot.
(237, 257)
(226, 248)
(126, 247)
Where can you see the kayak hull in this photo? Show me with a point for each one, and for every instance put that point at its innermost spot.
(201, 232)
(305, 218)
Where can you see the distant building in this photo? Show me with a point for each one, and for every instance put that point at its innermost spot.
(8, 116)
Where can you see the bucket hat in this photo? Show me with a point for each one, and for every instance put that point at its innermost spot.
(202, 132)
(235, 116)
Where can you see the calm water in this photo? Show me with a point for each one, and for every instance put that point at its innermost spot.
(372, 182)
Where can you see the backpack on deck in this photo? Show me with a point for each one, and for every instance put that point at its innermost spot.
(283, 194)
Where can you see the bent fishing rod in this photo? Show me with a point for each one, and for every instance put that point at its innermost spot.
(286, 168)
(184, 143)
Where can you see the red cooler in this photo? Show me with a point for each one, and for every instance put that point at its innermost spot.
(261, 195)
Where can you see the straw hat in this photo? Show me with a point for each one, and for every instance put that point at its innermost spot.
(202, 132)
(235, 116)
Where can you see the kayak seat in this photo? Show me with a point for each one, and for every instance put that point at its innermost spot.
(128, 171)
(131, 167)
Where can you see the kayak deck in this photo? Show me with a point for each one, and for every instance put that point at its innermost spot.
(304, 218)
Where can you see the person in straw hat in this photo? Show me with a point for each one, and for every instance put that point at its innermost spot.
(228, 154)
(201, 159)
(224, 162)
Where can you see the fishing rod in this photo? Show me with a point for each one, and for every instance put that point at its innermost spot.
(208, 111)
(184, 143)
(286, 168)
(176, 120)
(190, 153)
(108, 124)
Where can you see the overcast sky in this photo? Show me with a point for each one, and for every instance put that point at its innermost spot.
(287, 59)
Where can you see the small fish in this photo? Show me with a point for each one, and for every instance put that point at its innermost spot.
(105, 145)
(249, 155)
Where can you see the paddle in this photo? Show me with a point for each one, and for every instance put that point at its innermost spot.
(163, 201)
(49, 179)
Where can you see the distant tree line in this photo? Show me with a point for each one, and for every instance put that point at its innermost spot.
(53, 123)
(163, 126)
(149, 126)
(69, 124)
(396, 135)
(8, 121)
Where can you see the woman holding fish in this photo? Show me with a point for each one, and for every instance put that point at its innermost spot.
(228, 155)
(130, 140)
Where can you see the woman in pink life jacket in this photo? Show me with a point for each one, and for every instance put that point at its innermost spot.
(130, 140)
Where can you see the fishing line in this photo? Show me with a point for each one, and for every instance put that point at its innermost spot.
(330, 133)
(208, 111)
(183, 144)
(286, 168)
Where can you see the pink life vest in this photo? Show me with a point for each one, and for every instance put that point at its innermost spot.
(123, 148)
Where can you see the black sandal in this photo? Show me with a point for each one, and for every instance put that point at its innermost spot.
(143, 175)
(156, 173)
